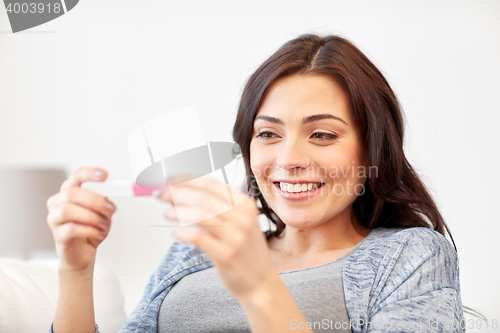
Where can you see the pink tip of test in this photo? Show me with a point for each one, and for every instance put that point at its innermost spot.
(141, 191)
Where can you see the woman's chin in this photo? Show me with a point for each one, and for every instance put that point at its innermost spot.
(298, 220)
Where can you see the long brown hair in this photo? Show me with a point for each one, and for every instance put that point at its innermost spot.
(396, 198)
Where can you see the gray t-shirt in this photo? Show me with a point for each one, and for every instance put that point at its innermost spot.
(199, 302)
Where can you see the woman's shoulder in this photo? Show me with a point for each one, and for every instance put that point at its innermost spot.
(400, 271)
(180, 251)
(412, 239)
(401, 261)
(178, 254)
(410, 248)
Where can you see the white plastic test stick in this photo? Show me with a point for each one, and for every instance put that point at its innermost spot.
(117, 188)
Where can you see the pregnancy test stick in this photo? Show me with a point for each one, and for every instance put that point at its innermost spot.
(117, 188)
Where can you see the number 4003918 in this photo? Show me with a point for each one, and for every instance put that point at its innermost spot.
(33, 8)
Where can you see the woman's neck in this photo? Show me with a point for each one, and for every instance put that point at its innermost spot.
(340, 233)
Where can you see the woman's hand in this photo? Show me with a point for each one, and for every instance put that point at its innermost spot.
(232, 240)
(79, 220)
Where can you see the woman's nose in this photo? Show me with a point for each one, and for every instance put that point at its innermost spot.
(292, 156)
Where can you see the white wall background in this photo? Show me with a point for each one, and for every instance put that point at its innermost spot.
(71, 90)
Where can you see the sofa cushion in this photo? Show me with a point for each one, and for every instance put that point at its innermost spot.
(28, 296)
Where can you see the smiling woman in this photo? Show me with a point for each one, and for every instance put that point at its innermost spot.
(318, 112)
(359, 244)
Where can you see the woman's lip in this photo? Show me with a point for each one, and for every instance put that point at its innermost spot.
(298, 195)
(295, 181)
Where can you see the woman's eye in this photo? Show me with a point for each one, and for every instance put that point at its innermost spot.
(317, 135)
(324, 136)
(265, 135)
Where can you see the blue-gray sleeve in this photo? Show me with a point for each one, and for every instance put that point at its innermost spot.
(52, 328)
(417, 286)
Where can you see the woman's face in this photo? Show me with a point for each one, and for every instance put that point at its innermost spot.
(305, 153)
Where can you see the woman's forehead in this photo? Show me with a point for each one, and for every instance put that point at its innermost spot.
(298, 96)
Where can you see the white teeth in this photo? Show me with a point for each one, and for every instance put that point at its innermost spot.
(296, 188)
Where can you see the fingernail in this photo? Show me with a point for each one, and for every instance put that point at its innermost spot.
(108, 206)
(156, 193)
(167, 212)
(98, 174)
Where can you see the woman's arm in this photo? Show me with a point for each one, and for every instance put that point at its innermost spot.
(79, 220)
(75, 303)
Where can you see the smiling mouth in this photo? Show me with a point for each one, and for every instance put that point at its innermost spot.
(298, 187)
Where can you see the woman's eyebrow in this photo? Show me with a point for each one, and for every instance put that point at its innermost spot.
(304, 121)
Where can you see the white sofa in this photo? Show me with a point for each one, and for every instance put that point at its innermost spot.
(28, 296)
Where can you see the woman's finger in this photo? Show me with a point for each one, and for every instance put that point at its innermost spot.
(211, 185)
(243, 215)
(229, 232)
(82, 175)
(71, 212)
(197, 206)
(199, 216)
(214, 195)
(217, 251)
(190, 197)
(73, 230)
(84, 198)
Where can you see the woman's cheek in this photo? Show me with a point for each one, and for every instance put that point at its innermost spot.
(342, 170)
(260, 161)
